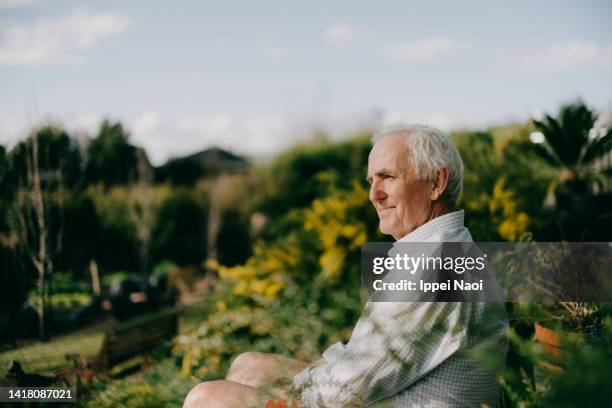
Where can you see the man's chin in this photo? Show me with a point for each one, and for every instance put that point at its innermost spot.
(384, 229)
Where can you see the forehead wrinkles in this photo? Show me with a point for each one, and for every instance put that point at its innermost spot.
(391, 152)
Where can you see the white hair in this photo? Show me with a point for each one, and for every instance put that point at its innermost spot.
(429, 150)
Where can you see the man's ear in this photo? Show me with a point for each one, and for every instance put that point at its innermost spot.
(440, 182)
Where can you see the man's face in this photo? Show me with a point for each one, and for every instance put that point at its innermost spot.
(401, 200)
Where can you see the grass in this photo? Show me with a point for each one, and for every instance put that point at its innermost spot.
(193, 315)
(46, 358)
(160, 386)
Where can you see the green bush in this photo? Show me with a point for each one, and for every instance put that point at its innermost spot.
(180, 230)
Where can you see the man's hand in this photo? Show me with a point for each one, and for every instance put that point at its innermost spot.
(282, 398)
(281, 403)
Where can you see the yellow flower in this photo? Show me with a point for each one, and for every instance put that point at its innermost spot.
(273, 289)
(221, 305)
(511, 223)
(331, 262)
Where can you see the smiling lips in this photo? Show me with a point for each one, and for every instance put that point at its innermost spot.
(382, 211)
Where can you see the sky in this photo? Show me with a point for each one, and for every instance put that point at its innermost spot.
(258, 77)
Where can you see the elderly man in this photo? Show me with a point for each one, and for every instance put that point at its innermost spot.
(399, 354)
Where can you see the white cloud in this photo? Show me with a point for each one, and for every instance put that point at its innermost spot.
(253, 134)
(422, 49)
(569, 55)
(13, 4)
(148, 122)
(166, 137)
(153, 132)
(57, 41)
(340, 33)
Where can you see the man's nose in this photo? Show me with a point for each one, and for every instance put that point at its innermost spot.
(377, 192)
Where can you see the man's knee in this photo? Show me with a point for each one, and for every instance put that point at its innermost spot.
(248, 359)
(204, 394)
(253, 369)
(226, 394)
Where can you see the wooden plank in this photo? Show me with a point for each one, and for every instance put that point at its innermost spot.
(127, 341)
(155, 338)
(161, 325)
(171, 320)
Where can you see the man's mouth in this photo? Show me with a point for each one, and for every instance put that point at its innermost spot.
(384, 210)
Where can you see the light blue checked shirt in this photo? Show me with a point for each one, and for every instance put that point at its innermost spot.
(414, 354)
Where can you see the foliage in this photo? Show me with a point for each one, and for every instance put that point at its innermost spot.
(116, 244)
(574, 316)
(64, 300)
(234, 238)
(496, 167)
(63, 282)
(587, 379)
(5, 192)
(570, 145)
(584, 382)
(330, 219)
(163, 268)
(66, 293)
(562, 278)
(58, 153)
(110, 277)
(112, 159)
(179, 233)
(511, 223)
(82, 229)
(293, 287)
(130, 393)
(36, 216)
(575, 149)
(112, 229)
(46, 358)
(293, 179)
(159, 387)
(294, 295)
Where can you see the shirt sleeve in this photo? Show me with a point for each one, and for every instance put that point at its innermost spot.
(392, 346)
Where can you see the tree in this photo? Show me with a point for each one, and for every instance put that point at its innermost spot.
(58, 152)
(577, 149)
(5, 190)
(180, 232)
(12, 284)
(3, 169)
(140, 207)
(112, 160)
(39, 202)
(570, 146)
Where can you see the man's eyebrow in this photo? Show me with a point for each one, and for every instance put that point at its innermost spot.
(382, 172)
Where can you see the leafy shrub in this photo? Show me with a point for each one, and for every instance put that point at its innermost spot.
(159, 387)
(62, 301)
(180, 229)
(294, 295)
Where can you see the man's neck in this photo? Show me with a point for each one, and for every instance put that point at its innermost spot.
(446, 223)
(438, 209)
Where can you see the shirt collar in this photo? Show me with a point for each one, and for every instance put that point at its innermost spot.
(434, 229)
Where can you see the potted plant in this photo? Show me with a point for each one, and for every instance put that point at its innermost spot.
(564, 322)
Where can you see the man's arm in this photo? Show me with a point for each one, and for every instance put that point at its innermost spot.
(392, 346)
